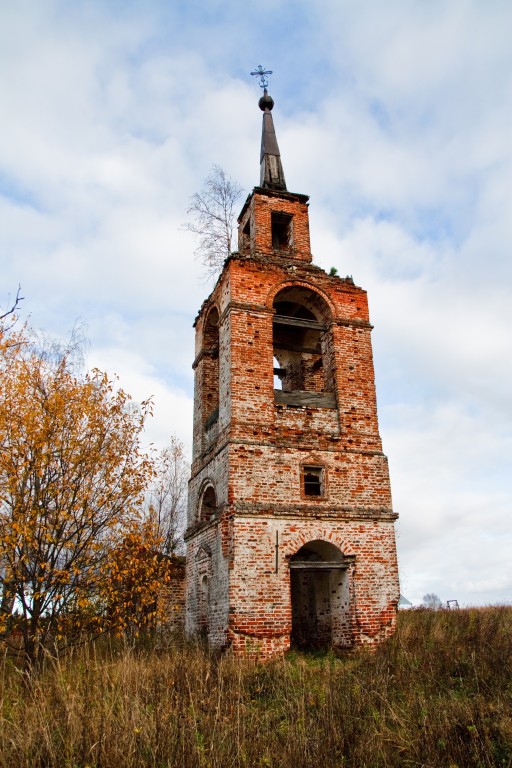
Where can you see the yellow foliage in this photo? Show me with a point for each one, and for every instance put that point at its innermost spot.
(133, 578)
(72, 480)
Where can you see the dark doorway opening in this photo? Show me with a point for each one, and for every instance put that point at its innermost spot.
(319, 578)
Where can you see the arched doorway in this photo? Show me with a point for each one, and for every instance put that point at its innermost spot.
(320, 590)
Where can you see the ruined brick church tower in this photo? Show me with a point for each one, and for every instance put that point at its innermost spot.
(290, 537)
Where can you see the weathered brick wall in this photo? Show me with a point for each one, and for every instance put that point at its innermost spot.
(172, 597)
(260, 597)
(254, 451)
(257, 214)
(269, 477)
(208, 556)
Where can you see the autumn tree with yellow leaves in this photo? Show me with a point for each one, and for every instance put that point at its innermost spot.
(136, 575)
(72, 481)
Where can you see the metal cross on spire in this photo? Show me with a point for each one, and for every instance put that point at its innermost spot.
(262, 74)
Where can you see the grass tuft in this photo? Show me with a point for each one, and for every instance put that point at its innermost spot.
(439, 693)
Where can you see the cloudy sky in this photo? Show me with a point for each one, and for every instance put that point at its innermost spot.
(394, 117)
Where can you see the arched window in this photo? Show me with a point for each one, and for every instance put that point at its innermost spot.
(208, 504)
(301, 341)
(210, 383)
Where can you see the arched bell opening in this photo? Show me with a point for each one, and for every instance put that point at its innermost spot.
(210, 378)
(301, 343)
(320, 596)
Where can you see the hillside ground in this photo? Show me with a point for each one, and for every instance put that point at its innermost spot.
(439, 693)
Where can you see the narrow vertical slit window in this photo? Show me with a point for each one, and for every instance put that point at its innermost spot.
(204, 606)
(246, 235)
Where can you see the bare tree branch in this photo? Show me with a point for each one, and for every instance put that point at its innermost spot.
(168, 498)
(9, 312)
(212, 212)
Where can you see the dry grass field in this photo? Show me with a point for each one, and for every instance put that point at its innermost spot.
(438, 694)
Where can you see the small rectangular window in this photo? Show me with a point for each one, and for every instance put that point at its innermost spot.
(313, 481)
(281, 231)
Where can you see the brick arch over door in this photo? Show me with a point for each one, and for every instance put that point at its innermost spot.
(291, 546)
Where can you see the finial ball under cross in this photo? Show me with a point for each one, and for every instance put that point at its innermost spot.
(262, 74)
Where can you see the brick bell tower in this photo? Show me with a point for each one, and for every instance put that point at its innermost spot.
(290, 537)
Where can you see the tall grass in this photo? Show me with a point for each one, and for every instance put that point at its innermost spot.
(438, 694)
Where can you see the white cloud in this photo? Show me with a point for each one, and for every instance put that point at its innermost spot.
(452, 497)
(397, 126)
(171, 406)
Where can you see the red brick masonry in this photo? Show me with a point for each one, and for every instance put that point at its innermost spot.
(249, 512)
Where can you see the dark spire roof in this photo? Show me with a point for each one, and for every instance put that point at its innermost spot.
(271, 169)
